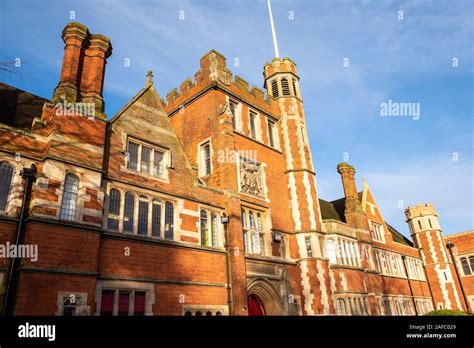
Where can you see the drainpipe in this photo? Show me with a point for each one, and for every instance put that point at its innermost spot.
(450, 246)
(29, 175)
(409, 284)
(225, 221)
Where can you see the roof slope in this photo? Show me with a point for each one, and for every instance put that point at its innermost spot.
(19, 108)
(334, 210)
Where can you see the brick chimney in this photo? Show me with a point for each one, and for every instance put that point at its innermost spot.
(83, 69)
(355, 216)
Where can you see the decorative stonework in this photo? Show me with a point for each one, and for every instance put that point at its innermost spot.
(251, 177)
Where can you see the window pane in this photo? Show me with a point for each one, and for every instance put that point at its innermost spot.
(156, 220)
(252, 125)
(124, 303)
(68, 205)
(129, 212)
(471, 261)
(214, 230)
(244, 219)
(331, 250)
(139, 305)
(246, 248)
(252, 220)
(6, 174)
(262, 244)
(232, 111)
(270, 133)
(143, 217)
(158, 164)
(114, 209)
(132, 156)
(259, 222)
(107, 302)
(204, 228)
(169, 214)
(207, 158)
(465, 266)
(309, 249)
(145, 162)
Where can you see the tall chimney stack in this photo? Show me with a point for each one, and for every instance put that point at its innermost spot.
(354, 213)
(83, 69)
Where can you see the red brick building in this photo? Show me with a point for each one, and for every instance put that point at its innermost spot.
(203, 204)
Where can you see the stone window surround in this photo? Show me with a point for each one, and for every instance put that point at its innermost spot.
(220, 232)
(353, 302)
(167, 158)
(80, 298)
(459, 264)
(266, 229)
(152, 197)
(125, 285)
(201, 162)
(373, 227)
(15, 193)
(342, 249)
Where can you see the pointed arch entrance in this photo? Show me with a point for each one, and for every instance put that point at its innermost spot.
(263, 298)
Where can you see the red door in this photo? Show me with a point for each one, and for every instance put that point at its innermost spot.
(255, 307)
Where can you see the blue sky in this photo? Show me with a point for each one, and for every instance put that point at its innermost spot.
(405, 161)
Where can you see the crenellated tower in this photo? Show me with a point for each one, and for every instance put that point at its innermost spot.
(282, 84)
(428, 238)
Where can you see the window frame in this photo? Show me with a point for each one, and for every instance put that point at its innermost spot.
(7, 191)
(76, 198)
(154, 149)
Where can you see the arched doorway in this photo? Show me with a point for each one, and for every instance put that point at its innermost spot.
(263, 298)
(255, 307)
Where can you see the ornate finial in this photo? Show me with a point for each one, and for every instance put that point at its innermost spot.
(149, 77)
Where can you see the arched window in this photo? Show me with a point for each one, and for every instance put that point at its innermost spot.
(188, 314)
(114, 210)
(465, 266)
(156, 219)
(129, 212)
(143, 204)
(204, 227)
(331, 250)
(284, 86)
(169, 220)
(471, 261)
(69, 203)
(419, 224)
(214, 230)
(275, 89)
(6, 174)
(341, 307)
